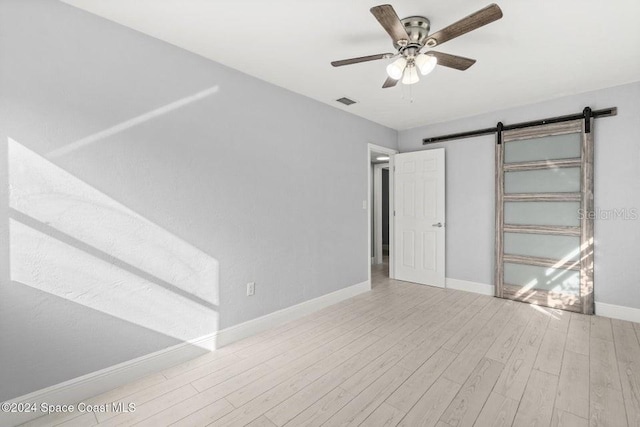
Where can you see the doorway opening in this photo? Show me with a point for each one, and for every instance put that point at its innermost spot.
(380, 216)
(380, 248)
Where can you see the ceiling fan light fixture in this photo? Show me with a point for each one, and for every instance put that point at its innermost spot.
(426, 63)
(411, 34)
(410, 75)
(395, 69)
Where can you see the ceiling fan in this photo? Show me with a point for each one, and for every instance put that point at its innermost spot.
(410, 35)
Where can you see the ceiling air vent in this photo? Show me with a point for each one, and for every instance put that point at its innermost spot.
(346, 101)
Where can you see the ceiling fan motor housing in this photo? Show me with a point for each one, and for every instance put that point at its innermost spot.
(417, 28)
(410, 35)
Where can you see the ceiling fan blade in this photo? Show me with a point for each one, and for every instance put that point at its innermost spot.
(474, 21)
(362, 59)
(387, 17)
(452, 61)
(389, 83)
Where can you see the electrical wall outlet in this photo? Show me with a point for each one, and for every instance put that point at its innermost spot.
(251, 288)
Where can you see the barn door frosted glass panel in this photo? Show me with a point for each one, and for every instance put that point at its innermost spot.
(566, 146)
(544, 239)
(563, 248)
(563, 180)
(542, 213)
(531, 277)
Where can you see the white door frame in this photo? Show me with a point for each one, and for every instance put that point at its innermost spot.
(377, 211)
(391, 152)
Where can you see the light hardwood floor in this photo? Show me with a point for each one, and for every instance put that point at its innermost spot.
(402, 354)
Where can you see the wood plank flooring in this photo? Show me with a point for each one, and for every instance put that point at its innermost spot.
(402, 354)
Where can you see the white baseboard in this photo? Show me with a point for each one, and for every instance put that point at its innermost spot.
(94, 383)
(618, 312)
(465, 285)
(86, 386)
(243, 330)
(602, 309)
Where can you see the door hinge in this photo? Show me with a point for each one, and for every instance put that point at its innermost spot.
(394, 213)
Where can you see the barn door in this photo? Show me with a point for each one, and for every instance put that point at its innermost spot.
(544, 215)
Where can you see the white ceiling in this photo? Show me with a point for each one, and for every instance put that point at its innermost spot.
(539, 50)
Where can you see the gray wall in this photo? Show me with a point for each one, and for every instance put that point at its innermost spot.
(470, 189)
(136, 164)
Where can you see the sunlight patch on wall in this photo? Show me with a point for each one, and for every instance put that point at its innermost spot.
(71, 240)
(47, 264)
(120, 127)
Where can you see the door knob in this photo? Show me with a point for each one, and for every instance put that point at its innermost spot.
(437, 225)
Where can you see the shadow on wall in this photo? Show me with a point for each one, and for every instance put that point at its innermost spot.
(77, 248)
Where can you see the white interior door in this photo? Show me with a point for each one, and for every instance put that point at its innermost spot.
(419, 217)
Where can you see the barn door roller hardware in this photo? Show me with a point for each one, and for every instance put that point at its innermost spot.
(587, 114)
